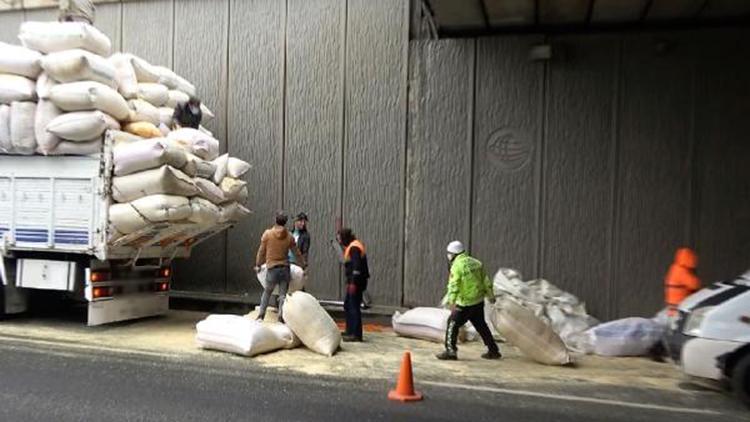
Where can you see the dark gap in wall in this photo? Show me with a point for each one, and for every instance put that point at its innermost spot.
(615, 194)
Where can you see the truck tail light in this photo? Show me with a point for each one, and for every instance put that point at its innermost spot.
(97, 276)
(165, 272)
(162, 286)
(102, 292)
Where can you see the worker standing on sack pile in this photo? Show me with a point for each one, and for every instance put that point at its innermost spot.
(188, 114)
(357, 273)
(681, 280)
(77, 11)
(468, 286)
(275, 245)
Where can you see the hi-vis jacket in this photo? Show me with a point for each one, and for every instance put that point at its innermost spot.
(468, 284)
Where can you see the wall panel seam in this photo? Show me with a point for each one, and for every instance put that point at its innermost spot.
(282, 147)
(471, 137)
(614, 226)
(405, 70)
(343, 137)
(539, 170)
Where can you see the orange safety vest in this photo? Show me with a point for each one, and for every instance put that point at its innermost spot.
(355, 244)
(681, 280)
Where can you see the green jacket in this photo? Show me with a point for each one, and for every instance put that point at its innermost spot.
(468, 284)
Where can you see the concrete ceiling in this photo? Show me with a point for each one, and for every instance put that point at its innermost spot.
(457, 16)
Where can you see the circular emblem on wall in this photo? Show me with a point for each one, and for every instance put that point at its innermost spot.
(508, 150)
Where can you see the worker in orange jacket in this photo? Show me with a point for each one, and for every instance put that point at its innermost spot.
(681, 280)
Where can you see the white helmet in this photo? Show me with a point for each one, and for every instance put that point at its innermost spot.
(455, 248)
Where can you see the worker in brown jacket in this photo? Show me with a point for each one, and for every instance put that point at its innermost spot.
(275, 245)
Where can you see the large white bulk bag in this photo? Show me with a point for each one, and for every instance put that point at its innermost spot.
(78, 148)
(233, 212)
(209, 191)
(82, 96)
(79, 65)
(144, 155)
(50, 37)
(165, 116)
(200, 144)
(237, 168)
(532, 336)
(46, 112)
(296, 283)
(233, 189)
(163, 180)
(22, 127)
(127, 82)
(311, 323)
(239, 335)
(284, 333)
(198, 167)
(423, 323)
(625, 337)
(19, 60)
(204, 212)
(82, 125)
(143, 111)
(6, 147)
(16, 88)
(156, 94)
(44, 86)
(135, 215)
(176, 97)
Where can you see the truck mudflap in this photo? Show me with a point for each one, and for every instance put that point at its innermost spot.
(125, 307)
(158, 239)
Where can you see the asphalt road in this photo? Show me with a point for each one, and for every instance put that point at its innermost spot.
(47, 382)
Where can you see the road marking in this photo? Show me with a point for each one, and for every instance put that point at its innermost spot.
(89, 347)
(574, 398)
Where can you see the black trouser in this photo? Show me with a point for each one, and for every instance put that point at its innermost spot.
(353, 310)
(459, 317)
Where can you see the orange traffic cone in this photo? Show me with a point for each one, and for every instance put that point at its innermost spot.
(405, 388)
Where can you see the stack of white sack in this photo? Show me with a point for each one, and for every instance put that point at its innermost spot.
(162, 180)
(306, 322)
(564, 312)
(19, 69)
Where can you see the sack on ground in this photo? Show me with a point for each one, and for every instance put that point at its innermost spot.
(22, 136)
(135, 215)
(311, 323)
(529, 334)
(296, 283)
(143, 129)
(82, 126)
(127, 83)
(144, 155)
(16, 88)
(424, 323)
(625, 337)
(233, 212)
(77, 148)
(163, 180)
(83, 96)
(18, 60)
(235, 334)
(50, 37)
(156, 94)
(46, 111)
(79, 65)
(204, 212)
(6, 147)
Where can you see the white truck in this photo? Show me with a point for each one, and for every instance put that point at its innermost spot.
(54, 235)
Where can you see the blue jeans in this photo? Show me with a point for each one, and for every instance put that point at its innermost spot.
(276, 276)
(353, 310)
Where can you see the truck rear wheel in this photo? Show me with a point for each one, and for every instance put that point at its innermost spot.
(741, 379)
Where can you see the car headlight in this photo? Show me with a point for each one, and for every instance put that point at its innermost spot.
(693, 324)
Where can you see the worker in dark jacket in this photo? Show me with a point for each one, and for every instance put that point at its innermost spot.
(357, 274)
(302, 237)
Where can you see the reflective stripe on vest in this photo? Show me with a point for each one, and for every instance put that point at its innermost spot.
(355, 244)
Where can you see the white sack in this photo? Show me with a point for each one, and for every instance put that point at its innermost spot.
(174, 81)
(423, 323)
(285, 334)
(16, 88)
(207, 113)
(209, 191)
(120, 138)
(156, 94)
(144, 71)
(233, 189)
(82, 125)
(46, 112)
(133, 216)
(165, 116)
(49, 37)
(143, 111)
(233, 212)
(625, 337)
(22, 127)
(529, 334)
(19, 60)
(311, 323)
(200, 144)
(144, 155)
(83, 96)
(163, 180)
(44, 86)
(221, 168)
(237, 168)
(204, 212)
(235, 334)
(77, 147)
(199, 167)
(176, 97)
(127, 83)
(296, 283)
(6, 147)
(79, 65)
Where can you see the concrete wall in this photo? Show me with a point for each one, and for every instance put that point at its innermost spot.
(588, 170)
